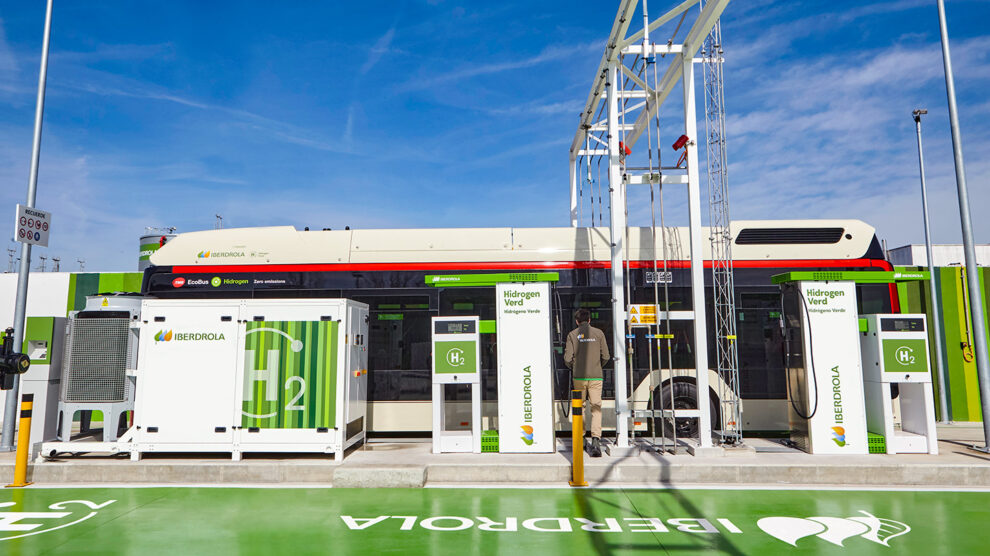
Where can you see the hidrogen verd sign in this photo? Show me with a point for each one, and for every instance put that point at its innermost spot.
(525, 388)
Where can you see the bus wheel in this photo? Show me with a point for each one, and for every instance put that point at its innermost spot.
(685, 396)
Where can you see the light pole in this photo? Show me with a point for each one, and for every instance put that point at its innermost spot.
(972, 271)
(11, 403)
(936, 306)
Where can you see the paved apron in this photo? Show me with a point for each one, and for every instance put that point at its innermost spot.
(490, 521)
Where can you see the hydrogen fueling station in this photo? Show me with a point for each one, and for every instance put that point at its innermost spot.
(770, 384)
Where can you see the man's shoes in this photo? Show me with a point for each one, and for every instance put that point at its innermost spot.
(596, 447)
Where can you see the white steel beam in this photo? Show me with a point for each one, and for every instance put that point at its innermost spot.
(635, 37)
(645, 179)
(636, 93)
(654, 49)
(619, 27)
(603, 124)
(604, 127)
(617, 229)
(574, 193)
(695, 38)
(697, 256)
(635, 79)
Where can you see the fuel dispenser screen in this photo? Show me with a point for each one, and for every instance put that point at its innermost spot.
(454, 327)
(902, 325)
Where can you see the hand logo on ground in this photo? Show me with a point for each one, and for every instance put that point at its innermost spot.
(14, 525)
(833, 529)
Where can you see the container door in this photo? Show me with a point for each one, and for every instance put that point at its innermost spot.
(357, 377)
(287, 384)
(186, 378)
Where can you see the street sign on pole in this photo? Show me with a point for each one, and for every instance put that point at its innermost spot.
(32, 225)
(23, 273)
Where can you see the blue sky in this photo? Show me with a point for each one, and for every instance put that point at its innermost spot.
(454, 114)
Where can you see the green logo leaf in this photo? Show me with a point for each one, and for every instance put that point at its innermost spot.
(528, 441)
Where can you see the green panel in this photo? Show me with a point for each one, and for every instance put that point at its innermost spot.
(456, 357)
(147, 249)
(463, 306)
(452, 280)
(858, 276)
(614, 521)
(963, 387)
(300, 392)
(70, 301)
(91, 283)
(39, 328)
(864, 324)
(390, 316)
(132, 282)
(111, 282)
(129, 282)
(486, 326)
(86, 284)
(905, 356)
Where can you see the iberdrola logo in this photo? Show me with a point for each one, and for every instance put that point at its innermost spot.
(203, 254)
(527, 436)
(839, 436)
(163, 336)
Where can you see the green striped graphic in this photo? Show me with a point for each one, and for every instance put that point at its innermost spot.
(290, 375)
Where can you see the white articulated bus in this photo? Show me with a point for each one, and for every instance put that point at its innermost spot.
(388, 270)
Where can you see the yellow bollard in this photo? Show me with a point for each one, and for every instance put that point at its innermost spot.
(577, 441)
(23, 443)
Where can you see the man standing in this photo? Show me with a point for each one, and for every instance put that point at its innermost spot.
(585, 353)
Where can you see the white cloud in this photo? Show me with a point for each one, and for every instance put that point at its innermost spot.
(549, 54)
(380, 48)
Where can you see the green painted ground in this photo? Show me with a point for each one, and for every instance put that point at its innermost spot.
(488, 521)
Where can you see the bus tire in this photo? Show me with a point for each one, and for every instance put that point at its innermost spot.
(685, 396)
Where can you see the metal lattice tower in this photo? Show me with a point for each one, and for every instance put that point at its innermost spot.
(726, 353)
(635, 77)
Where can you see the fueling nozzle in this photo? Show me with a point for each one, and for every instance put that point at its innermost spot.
(12, 363)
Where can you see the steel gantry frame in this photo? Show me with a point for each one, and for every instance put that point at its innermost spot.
(620, 90)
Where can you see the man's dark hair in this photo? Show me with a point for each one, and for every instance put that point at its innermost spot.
(582, 315)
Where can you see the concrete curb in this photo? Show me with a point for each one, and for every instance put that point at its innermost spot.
(380, 476)
(377, 475)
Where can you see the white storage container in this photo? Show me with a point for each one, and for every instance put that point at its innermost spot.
(247, 375)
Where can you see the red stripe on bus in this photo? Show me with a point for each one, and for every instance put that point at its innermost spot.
(529, 265)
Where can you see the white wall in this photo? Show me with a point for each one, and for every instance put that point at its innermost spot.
(944, 255)
(48, 294)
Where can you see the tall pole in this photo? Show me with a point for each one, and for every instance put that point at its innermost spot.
(10, 407)
(697, 255)
(936, 305)
(972, 271)
(617, 233)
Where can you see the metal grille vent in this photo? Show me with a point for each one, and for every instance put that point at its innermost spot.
(95, 370)
(784, 236)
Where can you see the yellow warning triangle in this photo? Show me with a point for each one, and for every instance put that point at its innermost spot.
(632, 309)
(633, 320)
(106, 302)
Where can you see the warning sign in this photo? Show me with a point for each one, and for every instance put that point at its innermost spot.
(642, 314)
(31, 225)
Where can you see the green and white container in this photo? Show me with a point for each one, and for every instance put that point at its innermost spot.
(247, 375)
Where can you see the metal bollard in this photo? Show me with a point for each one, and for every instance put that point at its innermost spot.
(577, 441)
(23, 443)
